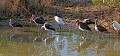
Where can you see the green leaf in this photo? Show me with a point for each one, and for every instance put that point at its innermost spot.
(96, 2)
(93, 1)
(104, 1)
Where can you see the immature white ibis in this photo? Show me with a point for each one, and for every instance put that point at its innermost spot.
(88, 21)
(82, 26)
(59, 20)
(15, 24)
(38, 20)
(99, 27)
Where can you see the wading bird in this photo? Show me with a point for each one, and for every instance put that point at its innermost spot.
(116, 25)
(99, 27)
(82, 26)
(15, 24)
(38, 20)
(48, 26)
(59, 20)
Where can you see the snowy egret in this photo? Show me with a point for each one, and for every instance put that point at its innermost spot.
(59, 20)
(116, 25)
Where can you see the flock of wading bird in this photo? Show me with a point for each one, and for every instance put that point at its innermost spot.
(84, 25)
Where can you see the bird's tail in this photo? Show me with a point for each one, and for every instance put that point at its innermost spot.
(53, 29)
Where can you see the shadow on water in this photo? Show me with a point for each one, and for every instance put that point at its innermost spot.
(66, 43)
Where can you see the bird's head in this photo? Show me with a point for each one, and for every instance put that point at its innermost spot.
(114, 22)
(46, 20)
(33, 16)
(77, 21)
(55, 16)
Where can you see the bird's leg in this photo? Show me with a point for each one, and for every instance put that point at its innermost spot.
(16, 29)
(11, 30)
(60, 27)
(48, 33)
(30, 26)
(100, 35)
(38, 30)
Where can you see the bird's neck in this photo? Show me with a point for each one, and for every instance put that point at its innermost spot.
(33, 17)
(10, 22)
(77, 23)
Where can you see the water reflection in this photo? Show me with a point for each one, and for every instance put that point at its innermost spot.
(20, 43)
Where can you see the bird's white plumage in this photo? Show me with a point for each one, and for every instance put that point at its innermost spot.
(96, 29)
(116, 25)
(59, 20)
(43, 27)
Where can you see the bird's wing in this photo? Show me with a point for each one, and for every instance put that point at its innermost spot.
(39, 20)
(84, 26)
(15, 24)
(59, 20)
(101, 28)
(48, 26)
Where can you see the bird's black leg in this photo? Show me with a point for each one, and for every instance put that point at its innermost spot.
(38, 30)
(48, 33)
(60, 27)
(16, 29)
(30, 27)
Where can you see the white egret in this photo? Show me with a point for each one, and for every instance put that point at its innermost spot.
(59, 20)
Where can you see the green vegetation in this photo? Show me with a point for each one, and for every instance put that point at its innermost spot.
(111, 4)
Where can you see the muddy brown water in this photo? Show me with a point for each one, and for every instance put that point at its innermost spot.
(26, 42)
